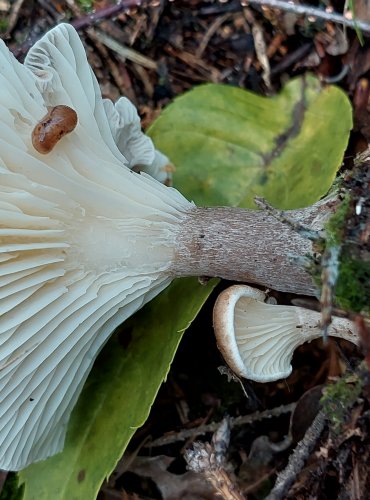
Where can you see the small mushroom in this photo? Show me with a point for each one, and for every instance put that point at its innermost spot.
(257, 340)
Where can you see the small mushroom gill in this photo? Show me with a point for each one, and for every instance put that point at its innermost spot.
(258, 340)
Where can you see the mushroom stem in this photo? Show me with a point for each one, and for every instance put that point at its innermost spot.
(249, 245)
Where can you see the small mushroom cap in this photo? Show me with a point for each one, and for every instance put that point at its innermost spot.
(257, 340)
(84, 242)
(224, 324)
(137, 147)
(125, 126)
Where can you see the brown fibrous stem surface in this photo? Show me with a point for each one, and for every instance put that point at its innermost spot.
(250, 245)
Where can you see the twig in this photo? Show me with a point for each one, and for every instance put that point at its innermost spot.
(204, 69)
(313, 12)
(259, 46)
(142, 74)
(105, 13)
(200, 459)
(125, 52)
(220, 8)
(297, 459)
(212, 427)
(314, 305)
(281, 216)
(209, 459)
(119, 74)
(363, 327)
(217, 23)
(54, 14)
(256, 485)
(85, 21)
(329, 276)
(292, 58)
(3, 475)
(154, 17)
(13, 17)
(339, 76)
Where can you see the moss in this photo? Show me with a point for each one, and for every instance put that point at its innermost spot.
(339, 398)
(3, 25)
(334, 233)
(352, 289)
(353, 285)
(337, 223)
(86, 5)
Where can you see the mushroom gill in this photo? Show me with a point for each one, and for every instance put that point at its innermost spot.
(84, 242)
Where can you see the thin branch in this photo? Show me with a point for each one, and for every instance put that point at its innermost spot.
(297, 459)
(313, 12)
(85, 21)
(105, 13)
(219, 21)
(123, 51)
(13, 17)
(282, 217)
(185, 434)
(329, 277)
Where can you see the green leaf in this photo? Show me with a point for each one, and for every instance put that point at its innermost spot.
(230, 145)
(358, 31)
(11, 489)
(117, 396)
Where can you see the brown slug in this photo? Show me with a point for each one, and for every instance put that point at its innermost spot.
(59, 121)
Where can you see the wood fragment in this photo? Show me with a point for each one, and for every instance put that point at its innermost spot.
(292, 58)
(185, 434)
(219, 21)
(105, 13)
(13, 17)
(204, 69)
(120, 76)
(259, 47)
(85, 21)
(143, 75)
(298, 458)
(314, 13)
(153, 18)
(209, 459)
(125, 52)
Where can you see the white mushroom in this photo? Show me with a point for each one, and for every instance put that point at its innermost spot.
(85, 241)
(257, 340)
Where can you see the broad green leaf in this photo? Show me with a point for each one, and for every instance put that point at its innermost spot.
(117, 396)
(230, 145)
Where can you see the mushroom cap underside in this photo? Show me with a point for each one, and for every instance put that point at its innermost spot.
(257, 340)
(84, 243)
